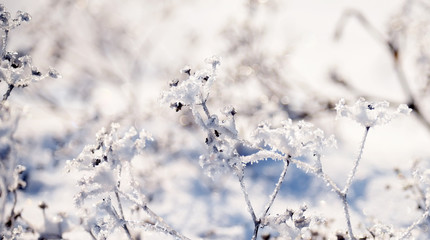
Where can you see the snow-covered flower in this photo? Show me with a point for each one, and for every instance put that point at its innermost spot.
(370, 114)
(292, 139)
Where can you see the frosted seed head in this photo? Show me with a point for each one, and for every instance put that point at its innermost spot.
(23, 16)
(187, 70)
(214, 61)
(52, 73)
(369, 114)
(229, 111)
(4, 19)
(174, 83)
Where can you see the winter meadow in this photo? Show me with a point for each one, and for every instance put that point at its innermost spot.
(251, 119)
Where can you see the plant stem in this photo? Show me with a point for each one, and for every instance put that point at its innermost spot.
(121, 212)
(276, 190)
(415, 224)
(347, 216)
(357, 162)
(4, 43)
(271, 199)
(162, 225)
(240, 176)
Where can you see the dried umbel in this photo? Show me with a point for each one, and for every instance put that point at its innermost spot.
(370, 114)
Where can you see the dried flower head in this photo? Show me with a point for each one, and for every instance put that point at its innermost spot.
(370, 114)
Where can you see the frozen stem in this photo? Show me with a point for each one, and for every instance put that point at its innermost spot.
(356, 163)
(271, 199)
(160, 223)
(240, 176)
(205, 108)
(415, 224)
(347, 216)
(276, 190)
(4, 42)
(343, 194)
(121, 212)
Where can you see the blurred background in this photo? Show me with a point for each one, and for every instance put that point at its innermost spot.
(280, 59)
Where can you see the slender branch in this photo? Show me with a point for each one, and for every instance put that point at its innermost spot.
(121, 212)
(240, 176)
(271, 199)
(415, 224)
(357, 162)
(308, 168)
(205, 108)
(7, 94)
(352, 13)
(159, 220)
(4, 43)
(276, 190)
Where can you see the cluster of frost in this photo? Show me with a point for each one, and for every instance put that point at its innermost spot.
(17, 70)
(194, 90)
(292, 224)
(222, 140)
(291, 143)
(222, 143)
(107, 173)
(227, 152)
(109, 185)
(293, 140)
(370, 114)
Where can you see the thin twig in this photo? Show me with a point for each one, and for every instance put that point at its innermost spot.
(272, 198)
(121, 212)
(4, 42)
(308, 168)
(159, 220)
(357, 162)
(276, 190)
(240, 175)
(347, 216)
(415, 224)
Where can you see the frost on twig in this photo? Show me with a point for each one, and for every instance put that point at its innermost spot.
(228, 152)
(108, 181)
(17, 70)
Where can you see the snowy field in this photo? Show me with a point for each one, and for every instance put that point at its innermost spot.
(215, 119)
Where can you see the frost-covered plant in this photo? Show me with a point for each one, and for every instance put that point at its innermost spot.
(16, 70)
(370, 114)
(290, 143)
(108, 184)
(227, 151)
(418, 184)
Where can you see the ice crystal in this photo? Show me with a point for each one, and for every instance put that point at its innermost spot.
(370, 114)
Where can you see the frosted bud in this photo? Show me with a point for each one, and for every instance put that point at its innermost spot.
(53, 73)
